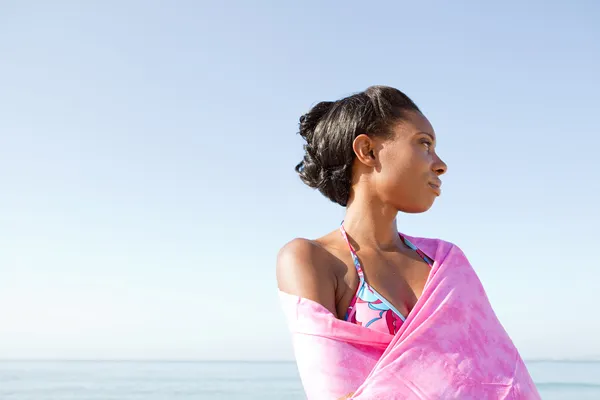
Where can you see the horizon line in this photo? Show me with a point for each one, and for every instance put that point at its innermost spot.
(248, 361)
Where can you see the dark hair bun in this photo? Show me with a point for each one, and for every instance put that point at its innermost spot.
(330, 128)
(313, 169)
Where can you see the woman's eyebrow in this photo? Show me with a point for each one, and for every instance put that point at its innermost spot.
(428, 134)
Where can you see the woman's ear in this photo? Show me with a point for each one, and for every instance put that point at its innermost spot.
(364, 148)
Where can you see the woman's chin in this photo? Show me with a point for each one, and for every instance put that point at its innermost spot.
(416, 208)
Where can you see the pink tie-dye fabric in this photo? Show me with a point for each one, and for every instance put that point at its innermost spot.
(451, 346)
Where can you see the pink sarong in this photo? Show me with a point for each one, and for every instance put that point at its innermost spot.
(451, 346)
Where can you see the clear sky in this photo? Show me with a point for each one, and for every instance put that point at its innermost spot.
(147, 153)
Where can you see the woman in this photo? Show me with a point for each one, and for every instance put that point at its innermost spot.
(374, 153)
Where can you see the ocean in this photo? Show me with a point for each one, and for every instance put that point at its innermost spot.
(183, 380)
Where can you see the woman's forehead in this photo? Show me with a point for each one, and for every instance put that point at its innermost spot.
(413, 124)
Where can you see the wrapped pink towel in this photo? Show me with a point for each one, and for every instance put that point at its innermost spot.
(451, 346)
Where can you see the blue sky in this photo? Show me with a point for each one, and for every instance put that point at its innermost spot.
(147, 153)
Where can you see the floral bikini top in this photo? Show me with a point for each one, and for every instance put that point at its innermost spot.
(370, 309)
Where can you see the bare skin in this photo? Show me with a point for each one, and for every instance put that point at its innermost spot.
(389, 175)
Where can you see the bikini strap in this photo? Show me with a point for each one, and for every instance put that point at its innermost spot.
(352, 251)
(357, 265)
(420, 252)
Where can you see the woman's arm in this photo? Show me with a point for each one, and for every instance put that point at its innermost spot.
(305, 269)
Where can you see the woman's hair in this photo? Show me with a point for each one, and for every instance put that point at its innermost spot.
(330, 128)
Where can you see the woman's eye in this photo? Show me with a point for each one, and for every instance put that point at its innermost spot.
(427, 143)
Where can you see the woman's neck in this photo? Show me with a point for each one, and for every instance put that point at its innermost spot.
(371, 224)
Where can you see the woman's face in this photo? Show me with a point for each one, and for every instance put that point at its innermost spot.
(407, 173)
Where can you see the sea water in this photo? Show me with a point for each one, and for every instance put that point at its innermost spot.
(162, 380)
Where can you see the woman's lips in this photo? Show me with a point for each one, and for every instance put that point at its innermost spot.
(436, 187)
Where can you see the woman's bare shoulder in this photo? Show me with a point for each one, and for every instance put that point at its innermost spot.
(308, 269)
